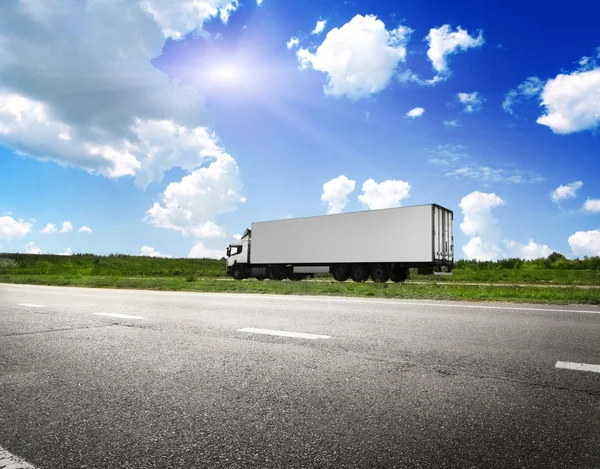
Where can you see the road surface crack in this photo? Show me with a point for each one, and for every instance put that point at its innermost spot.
(60, 329)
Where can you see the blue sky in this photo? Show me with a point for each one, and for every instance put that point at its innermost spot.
(167, 129)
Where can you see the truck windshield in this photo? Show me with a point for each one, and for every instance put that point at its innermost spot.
(233, 250)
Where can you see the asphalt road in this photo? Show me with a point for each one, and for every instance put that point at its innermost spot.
(174, 382)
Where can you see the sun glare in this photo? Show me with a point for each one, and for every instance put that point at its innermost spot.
(226, 73)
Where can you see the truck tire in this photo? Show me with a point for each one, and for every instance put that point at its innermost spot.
(340, 272)
(379, 273)
(237, 272)
(359, 273)
(273, 272)
(399, 274)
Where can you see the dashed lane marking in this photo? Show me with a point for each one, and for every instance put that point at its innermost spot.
(10, 461)
(297, 335)
(31, 305)
(578, 366)
(117, 315)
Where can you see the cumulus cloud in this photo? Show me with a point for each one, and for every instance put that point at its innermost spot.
(335, 193)
(200, 251)
(386, 194)
(444, 42)
(319, 27)
(31, 248)
(359, 58)
(293, 42)
(209, 230)
(151, 252)
(84, 229)
(259, 2)
(178, 18)
(416, 112)
(68, 252)
(11, 229)
(572, 102)
(472, 102)
(100, 104)
(237, 237)
(585, 243)
(188, 205)
(49, 229)
(592, 205)
(567, 191)
(66, 227)
(480, 225)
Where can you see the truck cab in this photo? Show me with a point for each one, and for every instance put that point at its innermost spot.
(238, 253)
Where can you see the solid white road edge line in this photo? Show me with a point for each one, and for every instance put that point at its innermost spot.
(117, 315)
(31, 305)
(578, 366)
(10, 461)
(298, 335)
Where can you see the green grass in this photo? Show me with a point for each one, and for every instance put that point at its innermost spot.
(438, 291)
(205, 275)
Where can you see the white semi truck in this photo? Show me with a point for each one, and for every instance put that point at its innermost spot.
(380, 244)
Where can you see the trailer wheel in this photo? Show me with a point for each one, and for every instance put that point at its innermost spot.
(340, 272)
(273, 272)
(379, 273)
(399, 274)
(237, 272)
(359, 273)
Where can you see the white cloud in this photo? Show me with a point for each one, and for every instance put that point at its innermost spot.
(31, 248)
(187, 206)
(84, 229)
(319, 27)
(335, 193)
(530, 88)
(472, 102)
(151, 252)
(416, 112)
(237, 237)
(585, 243)
(592, 205)
(572, 102)
(11, 229)
(452, 124)
(66, 227)
(480, 225)
(527, 251)
(49, 229)
(489, 175)
(293, 42)
(359, 58)
(444, 42)
(568, 191)
(177, 19)
(447, 155)
(386, 194)
(209, 230)
(202, 252)
(68, 252)
(100, 104)
(259, 2)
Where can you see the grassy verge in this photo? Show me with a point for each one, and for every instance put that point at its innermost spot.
(438, 291)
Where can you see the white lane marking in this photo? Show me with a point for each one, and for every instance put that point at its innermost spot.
(10, 461)
(298, 335)
(578, 366)
(117, 315)
(31, 305)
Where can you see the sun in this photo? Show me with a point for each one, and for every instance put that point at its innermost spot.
(226, 73)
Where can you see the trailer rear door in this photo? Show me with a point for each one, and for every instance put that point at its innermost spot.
(443, 238)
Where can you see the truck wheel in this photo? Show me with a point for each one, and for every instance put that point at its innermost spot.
(237, 272)
(399, 274)
(379, 273)
(273, 272)
(359, 273)
(340, 272)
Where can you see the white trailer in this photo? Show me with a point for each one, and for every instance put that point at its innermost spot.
(381, 244)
